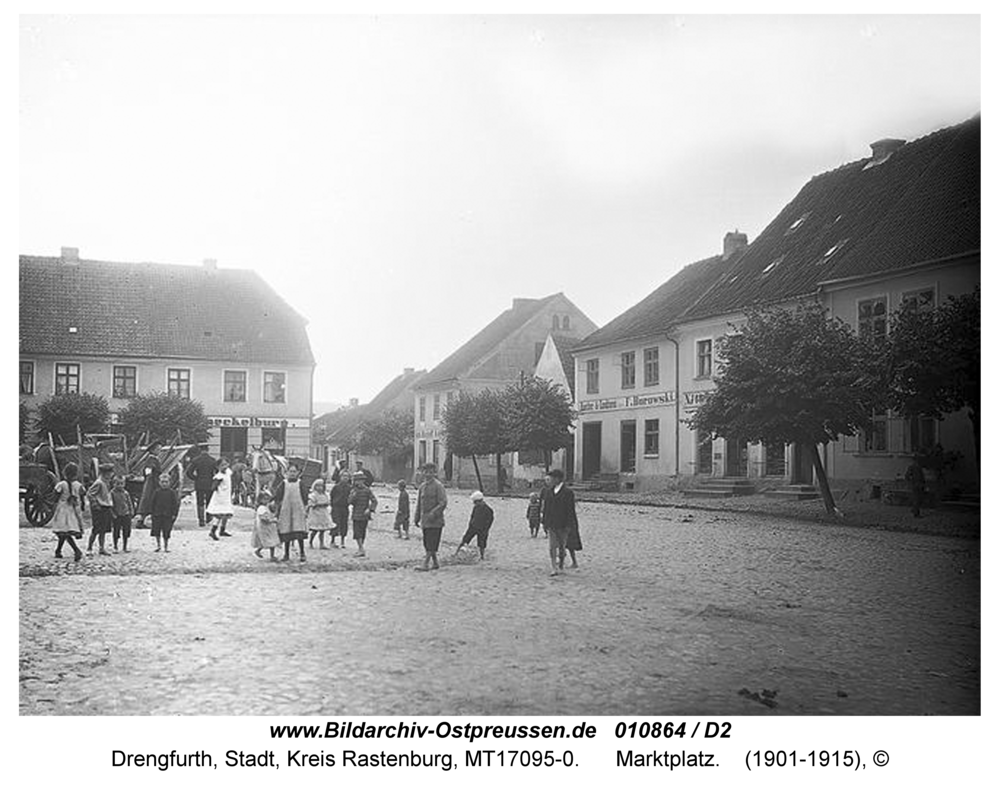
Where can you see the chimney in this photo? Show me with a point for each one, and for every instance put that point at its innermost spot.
(407, 370)
(519, 302)
(732, 243)
(210, 264)
(70, 255)
(353, 402)
(883, 148)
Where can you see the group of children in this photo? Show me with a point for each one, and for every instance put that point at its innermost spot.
(291, 514)
(111, 511)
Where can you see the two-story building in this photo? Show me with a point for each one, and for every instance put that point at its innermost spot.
(898, 229)
(628, 376)
(222, 337)
(496, 356)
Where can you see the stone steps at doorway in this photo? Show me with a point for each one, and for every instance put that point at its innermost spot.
(793, 492)
(721, 487)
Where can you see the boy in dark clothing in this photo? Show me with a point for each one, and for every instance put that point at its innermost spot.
(479, 524)
(402, 523)
(166, 505)
(363, 505)
(101, 508)
(122, 508)
(534, 513)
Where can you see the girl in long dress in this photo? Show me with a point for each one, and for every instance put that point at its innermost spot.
(291, 498)
(318, 513)
(151, 482)
(67, 521)
(220, 506)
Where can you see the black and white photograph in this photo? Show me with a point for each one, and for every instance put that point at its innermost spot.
(499, 366)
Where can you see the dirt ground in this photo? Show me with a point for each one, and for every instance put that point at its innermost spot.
(672, 610)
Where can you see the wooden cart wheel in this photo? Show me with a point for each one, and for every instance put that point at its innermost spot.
(38, 508)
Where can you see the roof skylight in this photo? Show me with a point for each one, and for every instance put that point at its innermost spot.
(772, 265)
(832, 250)
(798, 222)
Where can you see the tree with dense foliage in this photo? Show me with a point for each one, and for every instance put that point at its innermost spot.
(162, 415)
(458, 419)
(933, 360)
(539, 417)
(490, 428)
(792, 376)
(389, 434)
(64, 415)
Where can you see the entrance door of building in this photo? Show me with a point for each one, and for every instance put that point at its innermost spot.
(704, 461)
(569, 462)
(628, 447)
(591, 450)
(802, 469)
(736, 458)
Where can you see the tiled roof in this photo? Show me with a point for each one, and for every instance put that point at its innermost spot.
(398, 394)
(919, 204)
(565, 346)
(466, 356)
(149, 310)
(661, 308)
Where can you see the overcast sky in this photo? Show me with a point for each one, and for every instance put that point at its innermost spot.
(399, 180)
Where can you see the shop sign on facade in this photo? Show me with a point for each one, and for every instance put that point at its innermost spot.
(661, 399)
(256, 421)
(694, 399)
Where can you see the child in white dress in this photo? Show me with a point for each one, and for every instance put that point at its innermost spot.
(67, 521)
(318, 512)
(221, 504)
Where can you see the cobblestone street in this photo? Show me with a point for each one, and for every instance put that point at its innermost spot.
(671, 611)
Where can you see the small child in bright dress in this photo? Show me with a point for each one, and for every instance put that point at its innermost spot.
(534, 513)
(318, 512)
(265, 527)
(123, 511)
(166, 505)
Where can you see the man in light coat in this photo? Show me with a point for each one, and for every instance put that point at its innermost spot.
(432, 499)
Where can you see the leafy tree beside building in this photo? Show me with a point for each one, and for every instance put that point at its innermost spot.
(65, 415)
(539, 417)
(792, 376)
(932, 360)
(162, 416)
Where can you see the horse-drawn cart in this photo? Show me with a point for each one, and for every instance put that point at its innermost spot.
(37, 490)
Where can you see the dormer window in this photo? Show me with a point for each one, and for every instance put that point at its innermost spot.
(798, 222)
(831, 251)
(773, 264)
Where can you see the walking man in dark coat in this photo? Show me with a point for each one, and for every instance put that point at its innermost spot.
(558, 517)
(201, 470)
